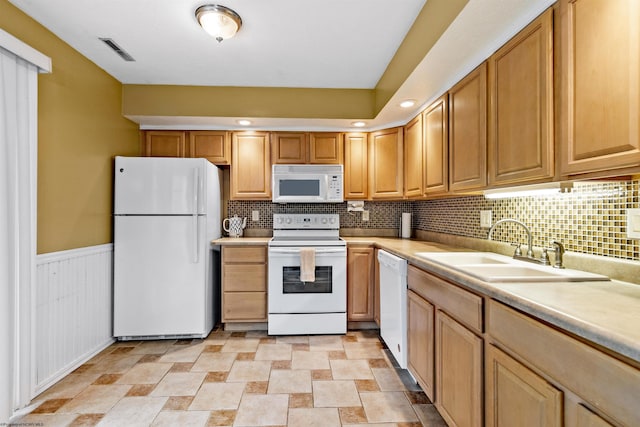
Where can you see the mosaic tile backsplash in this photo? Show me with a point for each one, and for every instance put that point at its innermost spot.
(591, 219)
(381, 214)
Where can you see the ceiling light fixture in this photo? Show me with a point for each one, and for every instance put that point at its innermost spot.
(219, 21)
(408, 103)
(243, 122)
(358, 124)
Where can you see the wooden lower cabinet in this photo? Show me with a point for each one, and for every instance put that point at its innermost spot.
(598, 389)
(420, 340)
(586, 418)
(514, 393)
(376, 288)
(459, 372)
(244, 284)
(360, 281)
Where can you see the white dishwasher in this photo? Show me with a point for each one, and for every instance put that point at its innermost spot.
(393, 305)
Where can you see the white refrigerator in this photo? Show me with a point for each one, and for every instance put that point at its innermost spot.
(166, 212)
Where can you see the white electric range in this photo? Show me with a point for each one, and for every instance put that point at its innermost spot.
(296, 307)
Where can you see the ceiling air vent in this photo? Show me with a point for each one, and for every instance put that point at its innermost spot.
(117, 49)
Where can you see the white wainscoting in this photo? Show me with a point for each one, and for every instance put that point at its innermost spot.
(73, 310)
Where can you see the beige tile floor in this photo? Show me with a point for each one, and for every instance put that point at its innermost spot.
(239, 379)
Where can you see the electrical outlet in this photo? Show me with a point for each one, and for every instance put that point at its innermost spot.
(485, 219)
(365, 215)
(633, 223)
(255, 216)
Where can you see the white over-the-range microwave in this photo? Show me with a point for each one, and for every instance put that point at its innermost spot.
(307, 183)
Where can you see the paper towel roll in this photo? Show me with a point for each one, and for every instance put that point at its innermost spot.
(405, 228)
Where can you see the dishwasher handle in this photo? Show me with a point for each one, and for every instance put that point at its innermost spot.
(396, 264)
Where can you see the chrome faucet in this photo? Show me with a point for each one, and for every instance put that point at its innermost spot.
(544, 257)
(558, 249)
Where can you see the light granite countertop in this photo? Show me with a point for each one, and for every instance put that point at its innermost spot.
(605, 313)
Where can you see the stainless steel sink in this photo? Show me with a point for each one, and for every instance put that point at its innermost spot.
(490, 267)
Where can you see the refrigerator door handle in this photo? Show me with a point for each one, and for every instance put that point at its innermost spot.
(196, 190)
(194, 215)
(196, 239)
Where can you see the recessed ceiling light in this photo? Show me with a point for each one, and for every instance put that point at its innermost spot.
(408, 103)
(358, 124)
(243, 122)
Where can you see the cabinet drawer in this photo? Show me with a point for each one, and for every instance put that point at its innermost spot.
(458, 303)
(245, 277)
(245, 306)
(244, 254)
(606, 383)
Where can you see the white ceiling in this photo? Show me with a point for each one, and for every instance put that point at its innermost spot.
(282, 43)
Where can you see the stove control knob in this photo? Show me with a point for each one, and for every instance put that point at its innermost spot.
(324, 220)
(333, 220)
(279, 220)
(288, 220)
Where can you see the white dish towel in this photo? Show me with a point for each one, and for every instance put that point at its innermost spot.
(307, 265)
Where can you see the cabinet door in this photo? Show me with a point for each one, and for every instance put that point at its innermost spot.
(360, 283)
(214, 146)
(521, 106)
(458, 373)
(164, 143)
(386, 158)
(325, 148)
(600, 85)
(468, 132)
(586, 418)
(516, 395)
(420, 339)
(436, 147)
(250, 166)
(413, 158)
(289, 147)
(356, 172)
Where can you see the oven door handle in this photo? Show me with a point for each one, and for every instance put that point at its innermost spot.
(297, 251)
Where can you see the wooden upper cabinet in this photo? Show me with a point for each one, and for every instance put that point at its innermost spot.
(356, 161)
(521, 143)
(214, 146)
(600, 86)
(468, 132)
(435, 122)
(385, 164)
(325, 148)
(413, 158)
(164, 143)
(289, 147)
(250, 166)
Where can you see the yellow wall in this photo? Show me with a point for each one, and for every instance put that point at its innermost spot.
(80, 129)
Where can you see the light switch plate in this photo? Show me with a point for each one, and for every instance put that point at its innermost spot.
(365, 215)
(633, 223)
(255, 216)
(485, 219)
